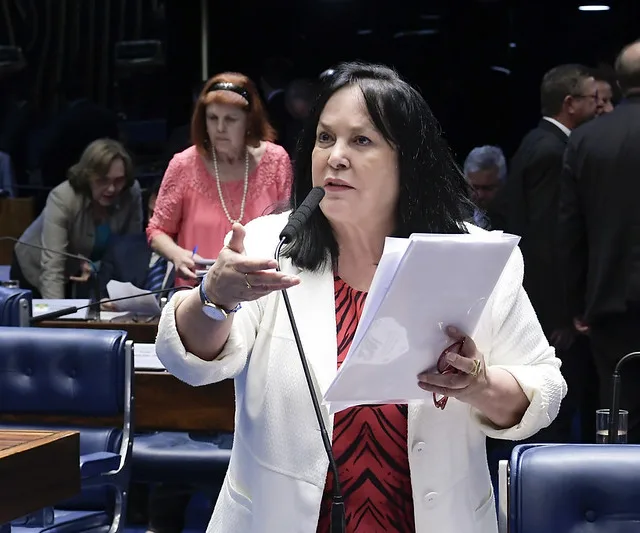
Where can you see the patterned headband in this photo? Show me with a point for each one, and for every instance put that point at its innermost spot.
(226, 86)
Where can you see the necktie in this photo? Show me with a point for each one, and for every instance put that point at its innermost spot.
(156, 275)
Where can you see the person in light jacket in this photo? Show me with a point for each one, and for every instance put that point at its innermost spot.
(375, 147)
(100, 199)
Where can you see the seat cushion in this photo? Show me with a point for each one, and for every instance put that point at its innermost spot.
(168, 456)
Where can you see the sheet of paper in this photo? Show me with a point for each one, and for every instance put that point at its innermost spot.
(145, 358)
(394, 250)
(145, 304)
(107, 316)
(40, 307)
(420, 286)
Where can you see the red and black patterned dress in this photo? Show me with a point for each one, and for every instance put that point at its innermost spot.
(370, 447)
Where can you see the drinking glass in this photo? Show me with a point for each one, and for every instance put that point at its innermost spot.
(602, 426)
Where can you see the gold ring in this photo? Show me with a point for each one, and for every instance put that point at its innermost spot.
(476, 368)
(246, 280)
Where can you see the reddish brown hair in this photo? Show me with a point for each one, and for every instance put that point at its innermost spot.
(258, 127)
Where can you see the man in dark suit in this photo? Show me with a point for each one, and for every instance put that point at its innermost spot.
(568, 99)
(599, 236)
(129, 258)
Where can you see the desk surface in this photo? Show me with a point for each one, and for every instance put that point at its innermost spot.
(138, 331)
(37, 469)
(12, 441)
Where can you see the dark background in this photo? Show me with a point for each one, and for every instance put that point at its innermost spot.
(67, 39)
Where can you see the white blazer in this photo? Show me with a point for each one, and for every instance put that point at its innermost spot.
(278, 464)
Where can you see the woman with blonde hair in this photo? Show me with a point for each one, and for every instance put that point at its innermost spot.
(99, 199)
(232, 173)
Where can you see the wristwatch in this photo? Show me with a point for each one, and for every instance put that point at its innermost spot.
(214, 311)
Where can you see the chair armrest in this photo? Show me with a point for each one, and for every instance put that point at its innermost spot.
(95, 464)
(37, 519)
(503, 496)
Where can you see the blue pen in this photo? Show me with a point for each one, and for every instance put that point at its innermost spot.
(195, 249)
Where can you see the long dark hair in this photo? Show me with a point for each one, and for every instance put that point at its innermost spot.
(434, 195)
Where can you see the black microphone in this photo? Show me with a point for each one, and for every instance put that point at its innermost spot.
(296, 222)
(72, 309)
(300, 216)
(614, 410)
(82, 259)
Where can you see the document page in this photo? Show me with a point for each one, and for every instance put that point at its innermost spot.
(146, 304)
(422, 285)
(145, 358)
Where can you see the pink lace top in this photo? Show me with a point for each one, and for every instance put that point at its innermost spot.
(188, 208)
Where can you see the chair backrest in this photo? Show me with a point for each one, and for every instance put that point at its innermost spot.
(574, 487)
(63, 375)
(15, 307)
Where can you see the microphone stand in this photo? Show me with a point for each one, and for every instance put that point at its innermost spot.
(337, 505)
(96, 289)
(614, 411)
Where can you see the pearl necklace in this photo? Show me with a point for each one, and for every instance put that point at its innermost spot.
(244, 193)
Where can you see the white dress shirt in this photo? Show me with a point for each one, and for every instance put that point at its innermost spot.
(560, 125)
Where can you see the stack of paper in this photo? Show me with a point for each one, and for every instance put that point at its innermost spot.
(421, 285)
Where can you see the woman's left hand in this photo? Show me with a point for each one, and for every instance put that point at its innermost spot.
(466, 374)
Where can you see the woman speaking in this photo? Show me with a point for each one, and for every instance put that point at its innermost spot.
(375, 147)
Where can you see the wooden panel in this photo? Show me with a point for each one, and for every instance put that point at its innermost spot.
(37, 469)
(165, 402)
(162, 402)
(143, 332)
(15, 216)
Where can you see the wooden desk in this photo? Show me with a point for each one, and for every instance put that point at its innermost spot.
(37, 469)
(142, 331)
(165, 402)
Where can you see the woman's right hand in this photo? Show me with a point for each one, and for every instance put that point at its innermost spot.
(236, 278)
(185, 262)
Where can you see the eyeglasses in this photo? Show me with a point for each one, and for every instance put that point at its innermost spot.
(594, 96)
(445, 368)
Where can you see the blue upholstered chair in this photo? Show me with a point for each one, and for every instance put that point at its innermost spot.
(185, 458)
(560, 488)
(69, 374)
(15, 307)
(199, 460)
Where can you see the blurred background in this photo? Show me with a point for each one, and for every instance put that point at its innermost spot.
(479, 62)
